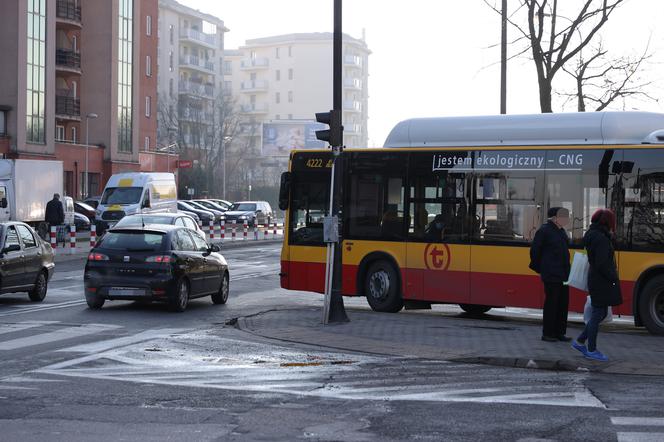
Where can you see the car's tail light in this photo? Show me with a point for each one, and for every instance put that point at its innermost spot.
(97, 257)
(162, 259)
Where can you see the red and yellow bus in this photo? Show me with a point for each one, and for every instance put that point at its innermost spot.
(445, 212)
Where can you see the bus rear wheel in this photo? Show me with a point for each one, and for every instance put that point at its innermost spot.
(651, 305)
(381, 287)
(474, 309)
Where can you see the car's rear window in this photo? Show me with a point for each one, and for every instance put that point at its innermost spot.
(139, 220)
(133, 241)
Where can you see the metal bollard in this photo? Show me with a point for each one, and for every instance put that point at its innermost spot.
(72, 239)
(211, 229)
(93, 235)
(266, 227)
(275, 229)
(233, 227)
(54, 238)
(255, 231)
(245, 227)
(222, 232)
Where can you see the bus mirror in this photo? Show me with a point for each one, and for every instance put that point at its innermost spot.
(3, 203)
(284, 190)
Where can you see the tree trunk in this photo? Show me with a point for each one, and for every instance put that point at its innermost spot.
(545, 95)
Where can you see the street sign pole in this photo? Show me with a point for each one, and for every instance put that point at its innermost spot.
(333, 309)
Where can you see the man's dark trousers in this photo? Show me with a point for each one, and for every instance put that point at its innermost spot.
(555, 309)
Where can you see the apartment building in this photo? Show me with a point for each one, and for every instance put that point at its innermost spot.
(191, 47)
(76, 70)
(282, 81)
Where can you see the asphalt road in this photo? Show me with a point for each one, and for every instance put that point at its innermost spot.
(133, 372)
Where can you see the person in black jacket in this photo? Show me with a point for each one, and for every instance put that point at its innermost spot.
(603, 281)
(55, 212)
(549, 256)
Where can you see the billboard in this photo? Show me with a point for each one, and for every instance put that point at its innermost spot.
(280, 138)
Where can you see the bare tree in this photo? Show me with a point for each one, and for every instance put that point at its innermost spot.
(553, 45)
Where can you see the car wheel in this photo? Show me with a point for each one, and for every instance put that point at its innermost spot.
(473, 309)
(181, 299)
(222, 295)
(381, 287)
(94, 302)
(651, 305)
(38, 292)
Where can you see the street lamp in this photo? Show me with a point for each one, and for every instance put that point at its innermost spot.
(88, 117)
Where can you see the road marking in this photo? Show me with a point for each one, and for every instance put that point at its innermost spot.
(44, 307)
(637, 436)
(11, 328)
(644, 421)
(54, 336)
(100, 346)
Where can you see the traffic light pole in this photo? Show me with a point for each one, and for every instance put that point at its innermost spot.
(333, 310)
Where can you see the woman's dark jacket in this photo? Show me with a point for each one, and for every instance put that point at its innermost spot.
(549, 253)
(603, 282)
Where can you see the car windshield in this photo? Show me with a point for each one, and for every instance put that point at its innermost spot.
(121, 195)
(208, 204)
(133, 241)
(138, 220)
(85, 207)
(244, 207)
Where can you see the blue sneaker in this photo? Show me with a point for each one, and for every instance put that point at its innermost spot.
(581, 347)
(597, 356)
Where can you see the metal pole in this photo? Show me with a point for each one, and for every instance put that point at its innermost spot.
(503, 59)
(87, 148)
(223, 160)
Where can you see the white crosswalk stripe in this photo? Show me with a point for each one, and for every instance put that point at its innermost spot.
(12, 328)
(55, 336)
(640, 424)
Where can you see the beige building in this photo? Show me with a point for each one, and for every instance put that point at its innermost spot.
(286, 79)
(191, 47)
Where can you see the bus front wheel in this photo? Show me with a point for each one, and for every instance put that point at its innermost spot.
(381, 287)
(474, 309)
(651, 305)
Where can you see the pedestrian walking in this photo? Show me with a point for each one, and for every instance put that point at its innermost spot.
(603, 282)
(55, 212)
(549, 256)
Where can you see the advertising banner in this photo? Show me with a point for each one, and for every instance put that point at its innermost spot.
(280, 138)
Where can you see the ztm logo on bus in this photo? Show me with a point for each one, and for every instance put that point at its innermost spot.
(437, 257)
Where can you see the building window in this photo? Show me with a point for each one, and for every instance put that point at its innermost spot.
(3, 123)
(59, 133)
(148, 25)
(277, 52)
(69, 183)
(74, 135)
(290, 51)
(170, 61)
(74, 43)
(278, 74)
(290, 74)
(277, 98)
(148, 106)
(36, 72)
(146, 144)
(125, 69)
(93, 183)
(148, 66)
(171, 32)
(228, 67)
(290, 96)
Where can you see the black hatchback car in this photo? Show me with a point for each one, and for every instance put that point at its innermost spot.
(155, 263)
(26, 261)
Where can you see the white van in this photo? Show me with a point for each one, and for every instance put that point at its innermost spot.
(137, 192)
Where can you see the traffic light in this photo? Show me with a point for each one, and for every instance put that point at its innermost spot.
(334, 136)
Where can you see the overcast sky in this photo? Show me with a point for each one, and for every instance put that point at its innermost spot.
(435, 57)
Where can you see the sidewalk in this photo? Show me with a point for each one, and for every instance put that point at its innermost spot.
(493, 340)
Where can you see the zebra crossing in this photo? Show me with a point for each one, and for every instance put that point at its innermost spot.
(203, 360)
(639, 429)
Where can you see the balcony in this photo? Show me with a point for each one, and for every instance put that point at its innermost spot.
(254, 108)
(68, 12)
(194, 62)
(254, 63)
(353, 106)
(67, 107)
(195, 116)
(254, 86)
(353, 83)
(199, 37)
(197, 89)
(68, 60)
(353, 60)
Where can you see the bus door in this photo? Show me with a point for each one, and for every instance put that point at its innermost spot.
(508, 190)
(438, 249)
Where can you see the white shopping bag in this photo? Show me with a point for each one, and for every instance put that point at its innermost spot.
(587, 311)
(578, 275)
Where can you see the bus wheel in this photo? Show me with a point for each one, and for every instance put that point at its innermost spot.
(474, 309)
(651, 305)
(381, 287)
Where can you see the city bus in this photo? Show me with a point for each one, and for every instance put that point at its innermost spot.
(445, 212)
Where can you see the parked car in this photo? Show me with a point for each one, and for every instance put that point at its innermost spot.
(169, 219)
(211, 205)
(85, 209)
(191, 214)
(155, 263)
(81, 222)
(217, 213)
(222, 203)
(254, 212)
(92, 201)
(205, 215)
(26, 261)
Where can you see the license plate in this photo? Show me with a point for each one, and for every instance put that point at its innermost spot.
(122, 291)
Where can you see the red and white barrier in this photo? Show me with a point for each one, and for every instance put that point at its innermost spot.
(255, 231)
(275, 229)
(233, 228)
(72, 239)
(266, 227)
(54, 237)
(222, 232)
(245, 227)
(93, 235)
(211, 229)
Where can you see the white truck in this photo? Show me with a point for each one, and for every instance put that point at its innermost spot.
(25, 188)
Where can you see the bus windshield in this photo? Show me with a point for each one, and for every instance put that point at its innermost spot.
(121, 195)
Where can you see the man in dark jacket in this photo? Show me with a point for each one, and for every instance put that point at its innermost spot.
(55, 212)
(549, 256)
